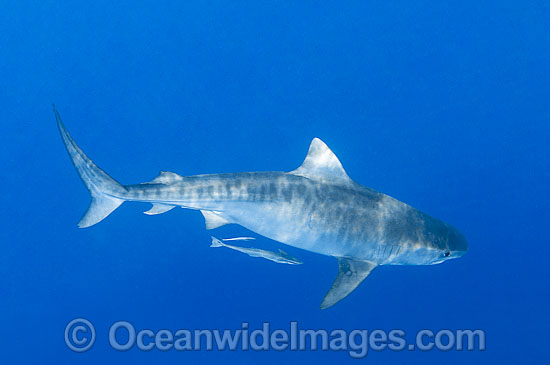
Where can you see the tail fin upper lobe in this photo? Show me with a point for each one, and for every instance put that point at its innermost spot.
(105, 190)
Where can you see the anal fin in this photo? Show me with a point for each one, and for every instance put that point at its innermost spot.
(350, 274)
(159, 209)
(214, 219)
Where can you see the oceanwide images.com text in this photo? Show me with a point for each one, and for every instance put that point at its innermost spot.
(80, 336)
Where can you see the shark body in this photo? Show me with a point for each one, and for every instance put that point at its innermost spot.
(280, 257)
(316, 207)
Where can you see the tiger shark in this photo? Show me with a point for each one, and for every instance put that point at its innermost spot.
(316, 207)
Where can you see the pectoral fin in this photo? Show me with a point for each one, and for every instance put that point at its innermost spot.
(350, 274)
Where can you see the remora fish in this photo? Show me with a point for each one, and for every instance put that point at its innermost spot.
(238, 239)
(316, 207)
(281, 257)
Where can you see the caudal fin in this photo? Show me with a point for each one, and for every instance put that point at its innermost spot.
(105, 190)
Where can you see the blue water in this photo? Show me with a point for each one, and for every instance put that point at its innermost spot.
(443, 106)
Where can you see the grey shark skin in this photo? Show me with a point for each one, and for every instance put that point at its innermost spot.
(316, 207)
(280, 257)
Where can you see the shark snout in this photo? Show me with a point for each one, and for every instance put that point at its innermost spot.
(458, 244)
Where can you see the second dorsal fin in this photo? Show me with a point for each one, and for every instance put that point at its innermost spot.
(166, 177)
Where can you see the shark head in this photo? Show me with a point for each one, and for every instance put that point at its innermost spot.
(448, 244)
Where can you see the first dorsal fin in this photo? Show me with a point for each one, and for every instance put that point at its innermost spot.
(322, 164)
(350, 274)
(166, 177)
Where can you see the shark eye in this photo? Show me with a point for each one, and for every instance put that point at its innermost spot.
(447, 254)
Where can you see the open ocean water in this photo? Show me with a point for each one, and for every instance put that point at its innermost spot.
(442, 105)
